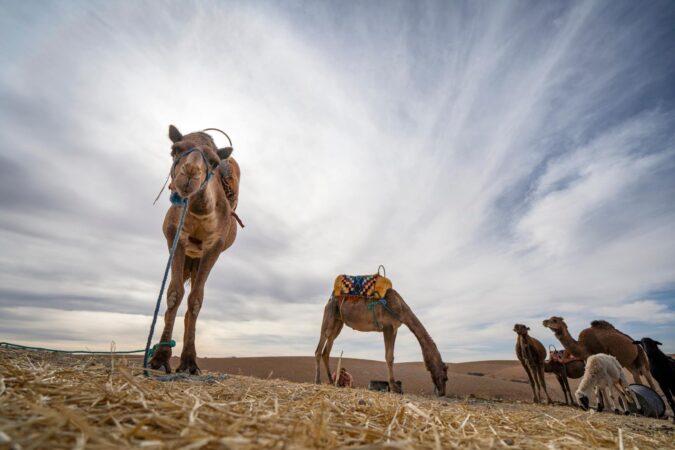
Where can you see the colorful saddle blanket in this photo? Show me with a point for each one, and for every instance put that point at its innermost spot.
(370, 286)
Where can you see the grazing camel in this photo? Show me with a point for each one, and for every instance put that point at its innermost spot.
(211, 188)
(364, 315)
(531, 354)
(602, 337)
(564, 366)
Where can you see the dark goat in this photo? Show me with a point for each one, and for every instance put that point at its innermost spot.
(662, 368)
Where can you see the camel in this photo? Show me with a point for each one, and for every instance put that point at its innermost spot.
(531, 354)
(210, 228)
(602, 337)
(364, 315)
(565, 366)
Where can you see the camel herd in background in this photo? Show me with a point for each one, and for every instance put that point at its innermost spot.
(598, 355)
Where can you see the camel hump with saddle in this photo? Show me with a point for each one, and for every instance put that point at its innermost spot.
(370, 303)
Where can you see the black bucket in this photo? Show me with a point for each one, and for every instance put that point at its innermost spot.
(383, 386)
(651, 402)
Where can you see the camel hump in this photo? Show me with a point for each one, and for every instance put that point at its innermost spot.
(602, 324)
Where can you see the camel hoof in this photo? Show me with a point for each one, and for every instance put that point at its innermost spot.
(159, 361)
(189, 367)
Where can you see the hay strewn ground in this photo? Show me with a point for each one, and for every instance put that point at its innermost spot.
(55, 401)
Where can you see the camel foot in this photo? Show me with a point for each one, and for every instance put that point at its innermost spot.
(393, 387)
(189, 365)
(160, 360)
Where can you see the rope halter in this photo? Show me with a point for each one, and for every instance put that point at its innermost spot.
(176, 199)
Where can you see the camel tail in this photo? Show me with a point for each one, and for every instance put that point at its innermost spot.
(407, 316)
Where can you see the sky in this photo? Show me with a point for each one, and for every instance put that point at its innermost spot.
(505, 161)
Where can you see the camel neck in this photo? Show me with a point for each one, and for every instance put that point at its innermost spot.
(570, 344)
(432, 357)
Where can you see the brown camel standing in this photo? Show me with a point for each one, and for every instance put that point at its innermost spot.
(564, 366)
(531, 354)
(602, 337)
(366, 315)
(210, 228)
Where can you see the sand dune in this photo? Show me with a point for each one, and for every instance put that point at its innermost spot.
(483, 379)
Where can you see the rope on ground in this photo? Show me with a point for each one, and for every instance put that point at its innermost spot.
(10, 345)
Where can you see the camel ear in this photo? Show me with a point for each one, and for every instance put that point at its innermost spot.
(224, 152)
(658, 343)
(174, 134)
(527, 328)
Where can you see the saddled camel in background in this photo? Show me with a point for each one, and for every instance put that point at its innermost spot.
(210, 228)
(358, 315)
(565, 366)
(602, 337)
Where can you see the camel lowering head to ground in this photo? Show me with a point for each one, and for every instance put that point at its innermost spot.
(602, 337)
(531, 354)
(210, 227)
(363, 315)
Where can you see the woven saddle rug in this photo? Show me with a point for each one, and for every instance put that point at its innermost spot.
(361, 286)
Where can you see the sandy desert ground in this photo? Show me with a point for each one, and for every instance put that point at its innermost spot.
(504, 379)
(61, 401)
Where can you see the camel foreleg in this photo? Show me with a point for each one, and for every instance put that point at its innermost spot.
(188, 357)
(389, 343)
(328, 323)
(535, 396)
(174, 298)
(542, 381)
(330, 339)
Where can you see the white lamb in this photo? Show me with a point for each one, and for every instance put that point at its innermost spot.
(604, 373)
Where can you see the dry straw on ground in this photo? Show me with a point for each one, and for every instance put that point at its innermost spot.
(57, 401)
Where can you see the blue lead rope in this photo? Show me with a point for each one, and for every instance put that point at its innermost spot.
(385, 306)
(184, 203)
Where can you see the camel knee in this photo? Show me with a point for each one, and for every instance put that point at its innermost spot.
(195, 301)
(174, 297)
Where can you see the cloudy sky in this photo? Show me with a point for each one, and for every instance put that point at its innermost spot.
(506, 161)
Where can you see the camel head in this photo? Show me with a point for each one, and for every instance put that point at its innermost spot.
(195, 156)
(520, 329)
(439, 376)
(555, 323)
